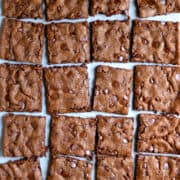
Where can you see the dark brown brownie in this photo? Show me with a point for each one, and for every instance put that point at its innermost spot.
(159, 134)
(110, 41)
(112, 89)
(117, 168)
(21, 169)
(24, 136)
(115, 136)
(148, 8)
(23, 8)
(71, 9)
(68, 43)
(157, 167)
(157, 88)
(67, 89)
(156, 42)
(73, 136)
(109, 7)
(21, 41)
(20, 87)
(69, 168)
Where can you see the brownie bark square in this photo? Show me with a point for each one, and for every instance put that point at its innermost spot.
(68, 43)
(157, 88)
(156, 42)
(157, 167)
(69, 168)
(109, 7)
(67, 89)
(109, 167)
(70, 9)
(73, 136)
(158, 134)
(114, 136)
(23, 8)
(21, 88)
(23, 136)
(21, 41)
(21, 169)
(112, 89)
(110, 41)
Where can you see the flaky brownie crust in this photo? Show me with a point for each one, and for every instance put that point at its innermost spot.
(156, 42)
(157, 88)
(20, 88)
(68, 43)
(21, 41)
(110, 41)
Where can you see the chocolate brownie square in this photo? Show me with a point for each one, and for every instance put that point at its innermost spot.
(112, 89)
(156, 42)
(23, 136)
(157, 88)
(23, 8)
(21, 41)
(71, 9)
(110, 41)
(21, 169)
(148, 8)
(109, 7)
(67, 89)
(73, 136)
(69, 168)
(158, 133)
(68, 43)
(157, 167)
(21, 88)
(114, 135)
(109, 167)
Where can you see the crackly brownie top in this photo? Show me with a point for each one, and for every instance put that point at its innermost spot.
(69, 168)
(156, 42)
(20, 87)
(68, 42)
(110, 41)
(71, 9)
(157, 88)
(158, 167)
(21, 41)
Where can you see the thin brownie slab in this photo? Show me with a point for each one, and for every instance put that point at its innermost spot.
(112, 89)
(114, 136)
(21, 169)
(67, 89)
(73, 136)
(21, 88)
(110, 41)
(21, 41)
(23, 136)
(69, 168)
(68, 43)
(109, 7)
(71, 9)
(114, 168)
(157, 88)
(22, 8)
(157, 167)
(156, 42)
(148, 8)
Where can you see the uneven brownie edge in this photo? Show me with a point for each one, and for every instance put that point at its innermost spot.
(157, 167)
(24, 136)
(21, 169)
(69, 168)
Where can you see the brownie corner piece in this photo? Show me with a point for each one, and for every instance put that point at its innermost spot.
(21, 41)
(114, 96)
(110, 41)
